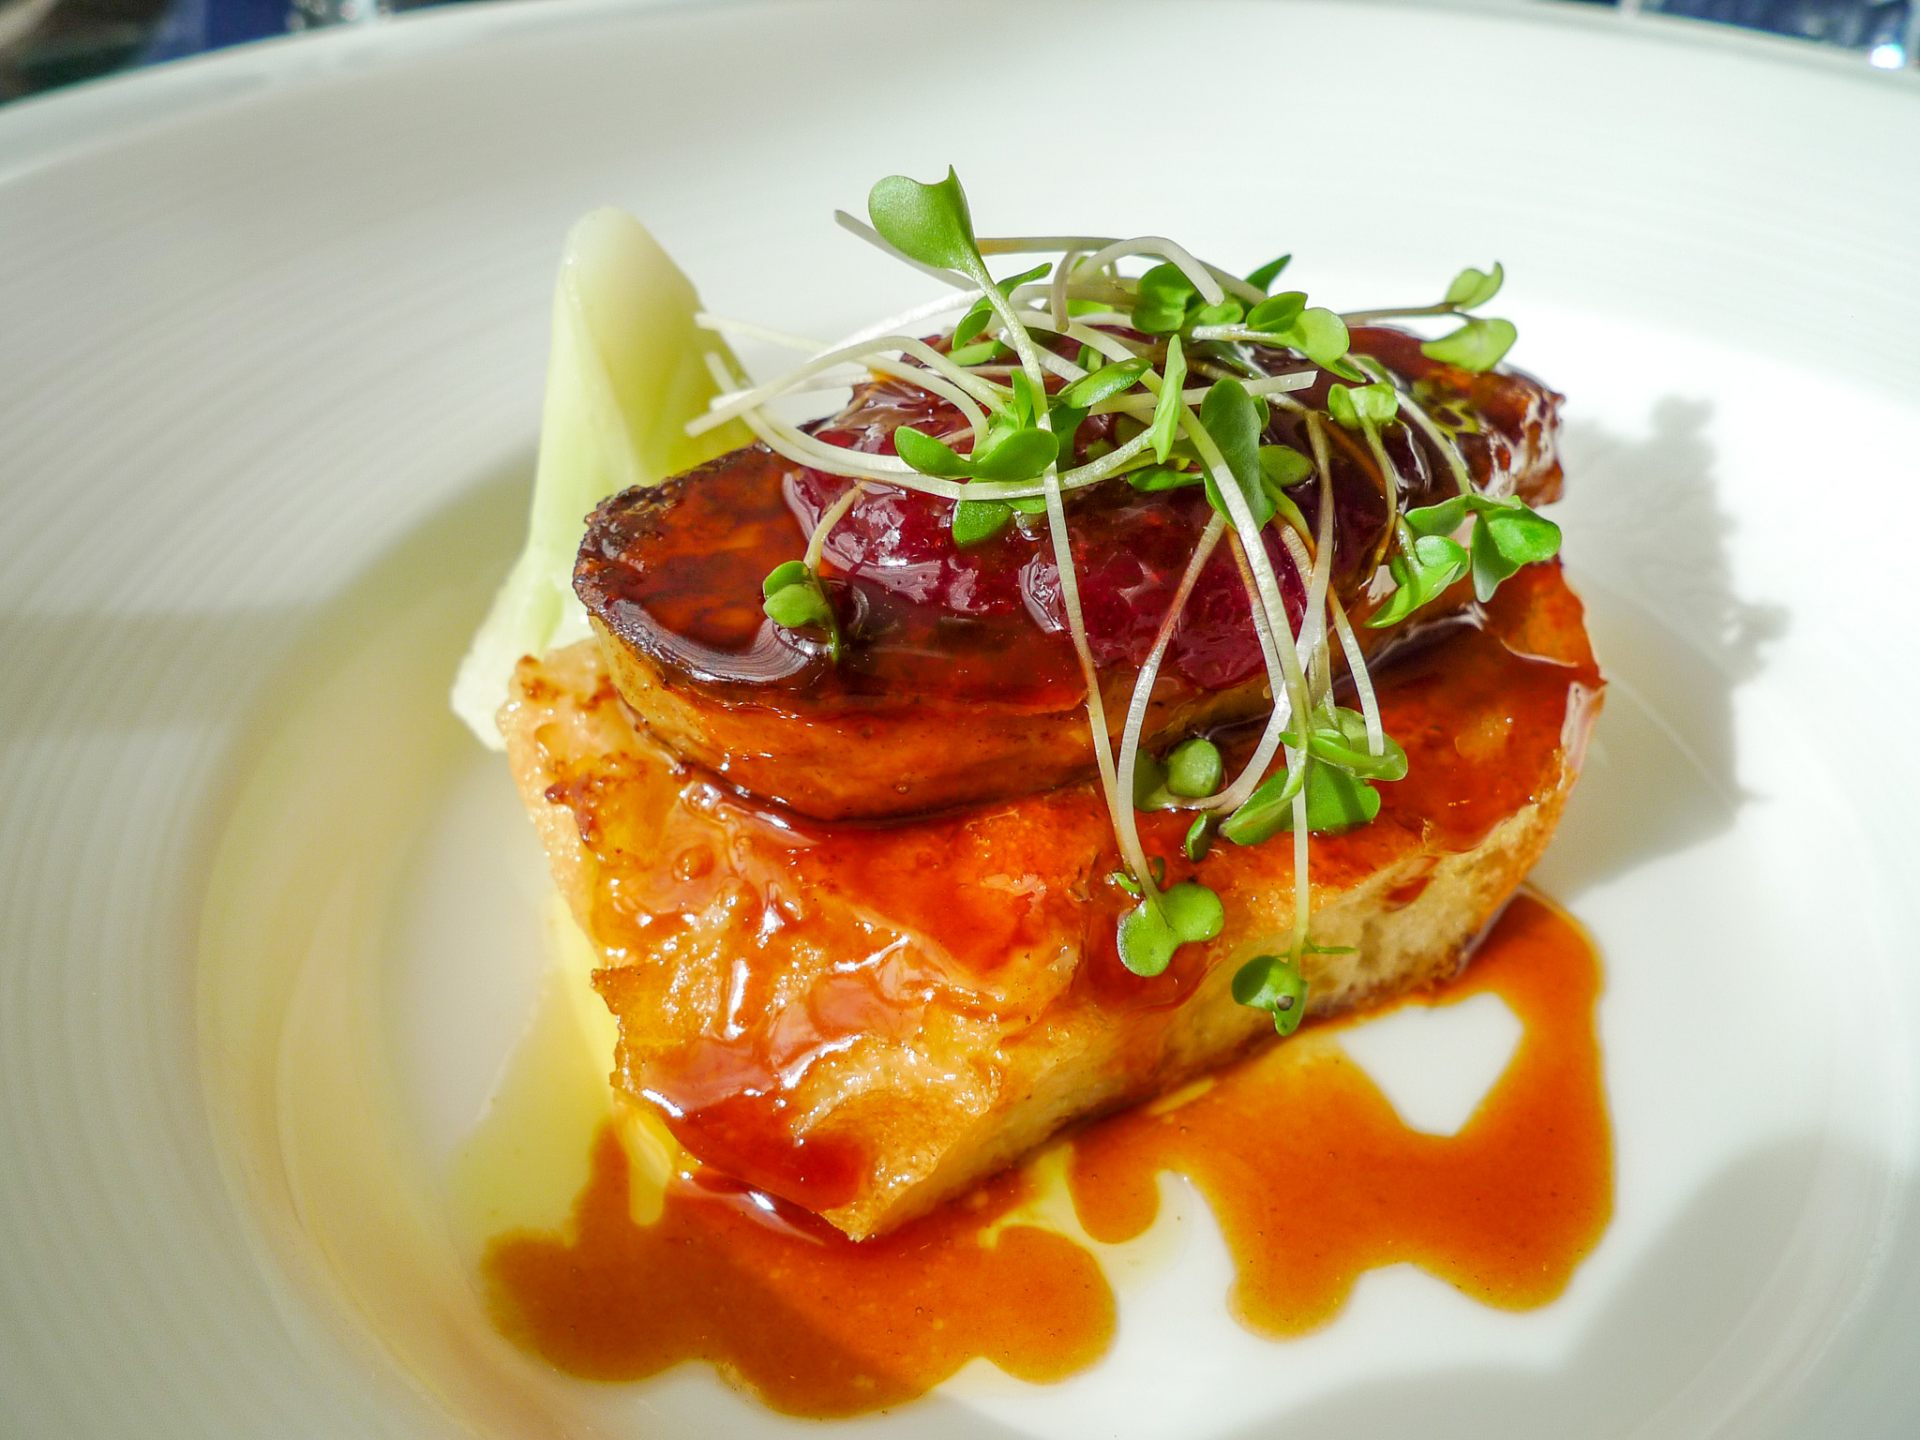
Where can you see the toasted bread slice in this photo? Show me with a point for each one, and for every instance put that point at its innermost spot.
(864, 1019)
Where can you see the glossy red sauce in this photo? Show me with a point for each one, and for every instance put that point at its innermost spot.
(1312, 1175)
(986, 623)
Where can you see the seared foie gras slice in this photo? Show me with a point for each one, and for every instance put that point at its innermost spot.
(958, 683)
(864, 1019)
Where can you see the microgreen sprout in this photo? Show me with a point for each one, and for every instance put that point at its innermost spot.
(1195, 768)
(1119, 327)
(1275, 984)
(793, 598)
(1185, 914)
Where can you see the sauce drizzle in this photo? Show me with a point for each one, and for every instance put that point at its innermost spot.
(1313, 1177)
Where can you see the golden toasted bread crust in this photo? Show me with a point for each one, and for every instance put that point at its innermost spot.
(866, 1019)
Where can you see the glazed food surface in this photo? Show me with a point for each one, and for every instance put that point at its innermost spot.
(825, 1010)
(959, 682)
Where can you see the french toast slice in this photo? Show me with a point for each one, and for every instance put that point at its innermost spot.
(864, 1019)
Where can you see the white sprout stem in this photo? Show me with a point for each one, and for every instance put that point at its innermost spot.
(728, 325)
(1143, 404)
(1142, 698)
(939, 305)
(1119, 807)
(943, 378)
(1197, 274)
(1389, 477)
(1299, 702)
(1369, 317)
(1443, 442)
(1239, 333)
(1102, 343)
(1320, 577)
(874, 238)
(804, 449)
(1270, 742)
(1269, 613)
(1362, 680)
(1309, 568)
(1057, 292)
(1047, 244)
(1041, 292)
(830, 517)
(1349, 642)
(1302, 874)
(1099, 317)
(819, 385)
(1111, 463)
(1023, 346)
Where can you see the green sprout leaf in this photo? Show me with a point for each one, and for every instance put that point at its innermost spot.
(1321, 336)
(1199, 838)
(792, 598)
(1278, 313)
(1065, 420)
(930, 456)
(975, 521)
(1228, 312)
(1340, 740)
(1161, 298)
(1166, 410)
(1104, 383)
(1506, 537)
(1194, 912)
(1151, 479)
(978, 354)
(1420, 578)
(928, 223)
(793, 572)
(797, 605)
(1195, 768)
(1150, 784)
(1336, 801)
(981, 313)
(1283, 465)
(1273, 983)
(1473, 288)
(1263, 278)
(1187, 914)
(1023, 455)
(1229, 416)
(1441, 519)
(1145, 941)
(1014, 455)
(1355, 405)
(1029, 399)
(1478, 345)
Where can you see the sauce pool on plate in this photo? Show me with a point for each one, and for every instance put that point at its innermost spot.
(814, 1324)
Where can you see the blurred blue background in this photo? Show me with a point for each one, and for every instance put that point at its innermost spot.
(48, 43)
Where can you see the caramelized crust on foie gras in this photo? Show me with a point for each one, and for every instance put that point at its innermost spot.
(959, 683)
(864, 1019)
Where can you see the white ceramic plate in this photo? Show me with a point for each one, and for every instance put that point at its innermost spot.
(271, 338)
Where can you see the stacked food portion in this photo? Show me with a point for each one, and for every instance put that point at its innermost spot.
(1142, 659)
